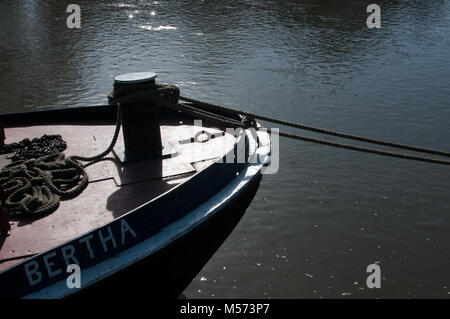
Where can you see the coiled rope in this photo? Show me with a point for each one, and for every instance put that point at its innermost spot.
(34, 187)
(213, 107)
(35, 148)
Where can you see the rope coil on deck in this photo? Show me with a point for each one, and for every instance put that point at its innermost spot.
(35, 187)
(37, 147)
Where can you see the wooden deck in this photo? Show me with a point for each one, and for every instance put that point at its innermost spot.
(113, 189)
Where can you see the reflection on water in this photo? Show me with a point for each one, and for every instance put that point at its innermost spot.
(315, 226)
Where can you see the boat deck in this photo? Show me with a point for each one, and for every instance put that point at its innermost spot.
(113, 189)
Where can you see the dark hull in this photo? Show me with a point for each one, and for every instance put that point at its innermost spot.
(167, 272)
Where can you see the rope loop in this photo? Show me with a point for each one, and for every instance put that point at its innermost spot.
(35, 187)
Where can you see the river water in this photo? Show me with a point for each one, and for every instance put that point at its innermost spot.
(315, 226)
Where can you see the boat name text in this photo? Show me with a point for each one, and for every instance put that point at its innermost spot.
(91, 245)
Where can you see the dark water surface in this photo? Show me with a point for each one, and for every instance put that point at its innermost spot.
(328, 213)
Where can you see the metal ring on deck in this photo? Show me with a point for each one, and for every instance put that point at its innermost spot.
(200, 133)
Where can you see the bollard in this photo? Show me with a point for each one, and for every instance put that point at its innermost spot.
(140, 116)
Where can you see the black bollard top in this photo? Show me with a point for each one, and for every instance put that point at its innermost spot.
(137, 77)
(131, 83)
(138, 86)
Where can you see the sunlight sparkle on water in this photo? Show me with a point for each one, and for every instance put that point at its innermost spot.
(161, 27)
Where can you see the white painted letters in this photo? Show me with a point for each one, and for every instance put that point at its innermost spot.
(124, 228)
(88, 244)
(54, 260)
(33, 273)
(49, 264)
(68, 253)
(104, 240)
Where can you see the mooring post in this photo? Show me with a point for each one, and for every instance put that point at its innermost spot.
(140, 117)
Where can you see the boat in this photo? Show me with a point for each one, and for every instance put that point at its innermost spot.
(155, 208)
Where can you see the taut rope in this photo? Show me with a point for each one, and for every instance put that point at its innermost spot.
(214, 108)
(209, 111)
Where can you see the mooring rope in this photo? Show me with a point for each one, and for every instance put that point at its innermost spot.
(214, 107)
(210, 115)
(317, 130)
(363, 149)
(34, 187)
(193, 111)
(157, 95)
